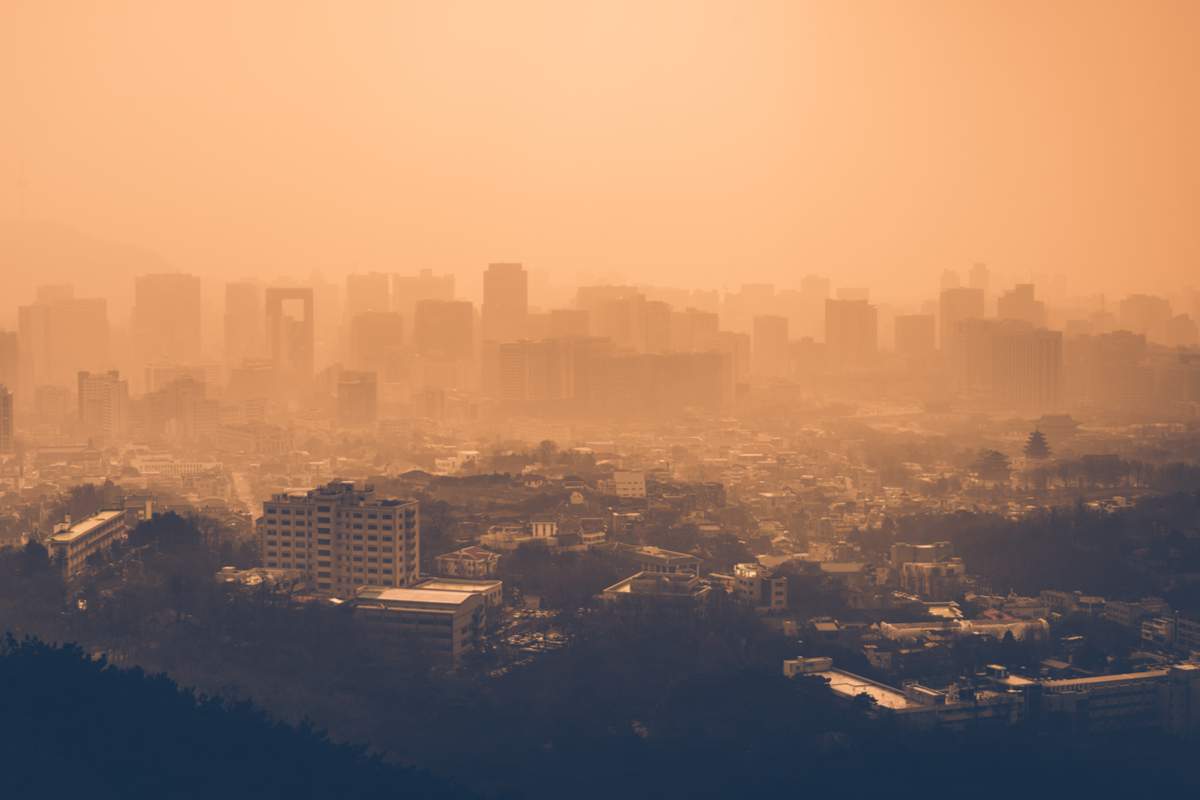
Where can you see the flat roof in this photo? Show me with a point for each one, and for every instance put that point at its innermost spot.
(1097, 680)
(426, 596)
(444, 585)
(85, 526)
(851, 685)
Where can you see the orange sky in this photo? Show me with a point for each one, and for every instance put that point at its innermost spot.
(705, 143)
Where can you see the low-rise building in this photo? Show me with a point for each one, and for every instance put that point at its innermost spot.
(444, 624)
(663, 589)
(469, 562)
(74, 543)
(492, 592)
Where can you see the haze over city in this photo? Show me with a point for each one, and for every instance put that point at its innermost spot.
(561, 399)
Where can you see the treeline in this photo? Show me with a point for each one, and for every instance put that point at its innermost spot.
(75, 726)
(1149, 549)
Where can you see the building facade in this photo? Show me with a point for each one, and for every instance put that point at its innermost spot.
(342, 537)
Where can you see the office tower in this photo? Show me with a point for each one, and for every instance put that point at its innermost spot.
(1027, 367)
(657, 385)
(103, 405)
(854, 293)
(806, 314)
(694, 331)
(956, 306)
(851, 332)
(167, 317)
(736, 348)
(376, 342)
(444, 329)
(916, 335)
(10, 360)
(59, 335)
(357, 399)
(341, 537)
(568, 323)
(1019, 304)
(408, 290)
(1181, 331)
(505, 302)
(980, 277)
(290, 335)
(52, 405)
(7, 420)
(741, 307)
(1146, 315)
(245, 330)
(368, 291)
(771, 355)
(656, 327)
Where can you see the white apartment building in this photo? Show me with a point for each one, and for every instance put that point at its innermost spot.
(73, 543)
(629, 484)
(342, 537)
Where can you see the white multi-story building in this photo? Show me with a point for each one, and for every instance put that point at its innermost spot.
(74, 543)
(342, 537)
(629, 484)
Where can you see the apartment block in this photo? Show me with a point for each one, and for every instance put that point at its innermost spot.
(342, 537)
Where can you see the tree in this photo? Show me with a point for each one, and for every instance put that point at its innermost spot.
(1036, 448)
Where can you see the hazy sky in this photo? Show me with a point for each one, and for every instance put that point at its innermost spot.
(705, 143)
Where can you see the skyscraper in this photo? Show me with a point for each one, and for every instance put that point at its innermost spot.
(7, 421)
(367, 291)
(376, 341)
(851, 332)
(59, 335)
(957, 307)
(771, 354)
(357, 399)
(244, 327)
(1019, 304)
(505, 302)
(444, 329)
(103, 405)
(916, 335)
(167, 317)
(10, 360)
(290, 334)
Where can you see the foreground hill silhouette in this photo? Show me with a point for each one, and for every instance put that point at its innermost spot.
(73, 726)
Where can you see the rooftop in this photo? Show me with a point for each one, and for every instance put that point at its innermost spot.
(85, 526)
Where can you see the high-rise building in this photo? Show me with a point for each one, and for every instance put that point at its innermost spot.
(376, 342)
(357, 399)
(568, 322)
(341, 537)
(505, 302)
(1027, 368)
(444, 329)
(694, 331)
(167, 317)
(771, 355)
(916, 335)
(103, 405)
(980, 278)
(1147, 315)
(10, 360)
(7, 420)
(290, 335)
(367, 291)
(956, 308)
(245, 329)
(851, 332)
(1019, 304)
(59, 335)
